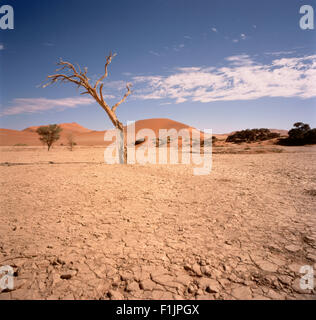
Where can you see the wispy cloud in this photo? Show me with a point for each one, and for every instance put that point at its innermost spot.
(242, 36)
(238, 60)
(241, 79)
(1, 46)
(37, 105)
(214, 29)
(279, 53)
(48, 44)
(178, 47)
(154, 53)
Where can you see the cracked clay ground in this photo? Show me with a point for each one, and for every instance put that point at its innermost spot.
(77, 228)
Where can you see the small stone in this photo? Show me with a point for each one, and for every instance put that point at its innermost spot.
(147, 284)
(312, 257)
(242, 293)
(127, 276)
(206, 270)
(66, 276)
(133, 286)
(184, 280)
(196, 269)
(210, 285)
(60, 261)
(292, 248)
(274, 295)
(285, 280)
(199, 292)
(115, 295)
(294, 267)
(267, 266)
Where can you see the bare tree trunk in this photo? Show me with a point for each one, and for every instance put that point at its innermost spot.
(121, 144)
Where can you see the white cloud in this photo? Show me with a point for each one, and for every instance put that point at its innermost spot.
(36, 105)
(154, 53)
(1, 46)
(279, 53)
(239, 60)
(243, 36)
(242, 79)
(214, 29)
(178, 47)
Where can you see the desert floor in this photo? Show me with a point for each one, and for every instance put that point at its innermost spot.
(73, 227)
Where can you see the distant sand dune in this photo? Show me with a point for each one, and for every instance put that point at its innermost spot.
(87, 137)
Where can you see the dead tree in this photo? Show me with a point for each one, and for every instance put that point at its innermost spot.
(79, 77)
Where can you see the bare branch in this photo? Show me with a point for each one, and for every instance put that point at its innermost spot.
(128, 87)
(80, 79)
(108, 61)
(61, 77)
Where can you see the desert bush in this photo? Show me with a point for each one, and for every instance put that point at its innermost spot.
(20, 145)
(49, 134)
(252, 135)
(301, 134)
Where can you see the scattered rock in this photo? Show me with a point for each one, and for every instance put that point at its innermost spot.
(292, 248)
(115, 295)
(147, 284)
(267, 266)
(133, 286)
(294, 267)
(206, 270)
(242, 293)
(66, 276)
(210, 285)
(311, 256)
(285, 280)
(184, 280)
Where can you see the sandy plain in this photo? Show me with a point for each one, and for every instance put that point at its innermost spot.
(73, 227)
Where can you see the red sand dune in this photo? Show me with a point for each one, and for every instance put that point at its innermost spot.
(82, 136)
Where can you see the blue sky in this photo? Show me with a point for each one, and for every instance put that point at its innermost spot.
(221, 65)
